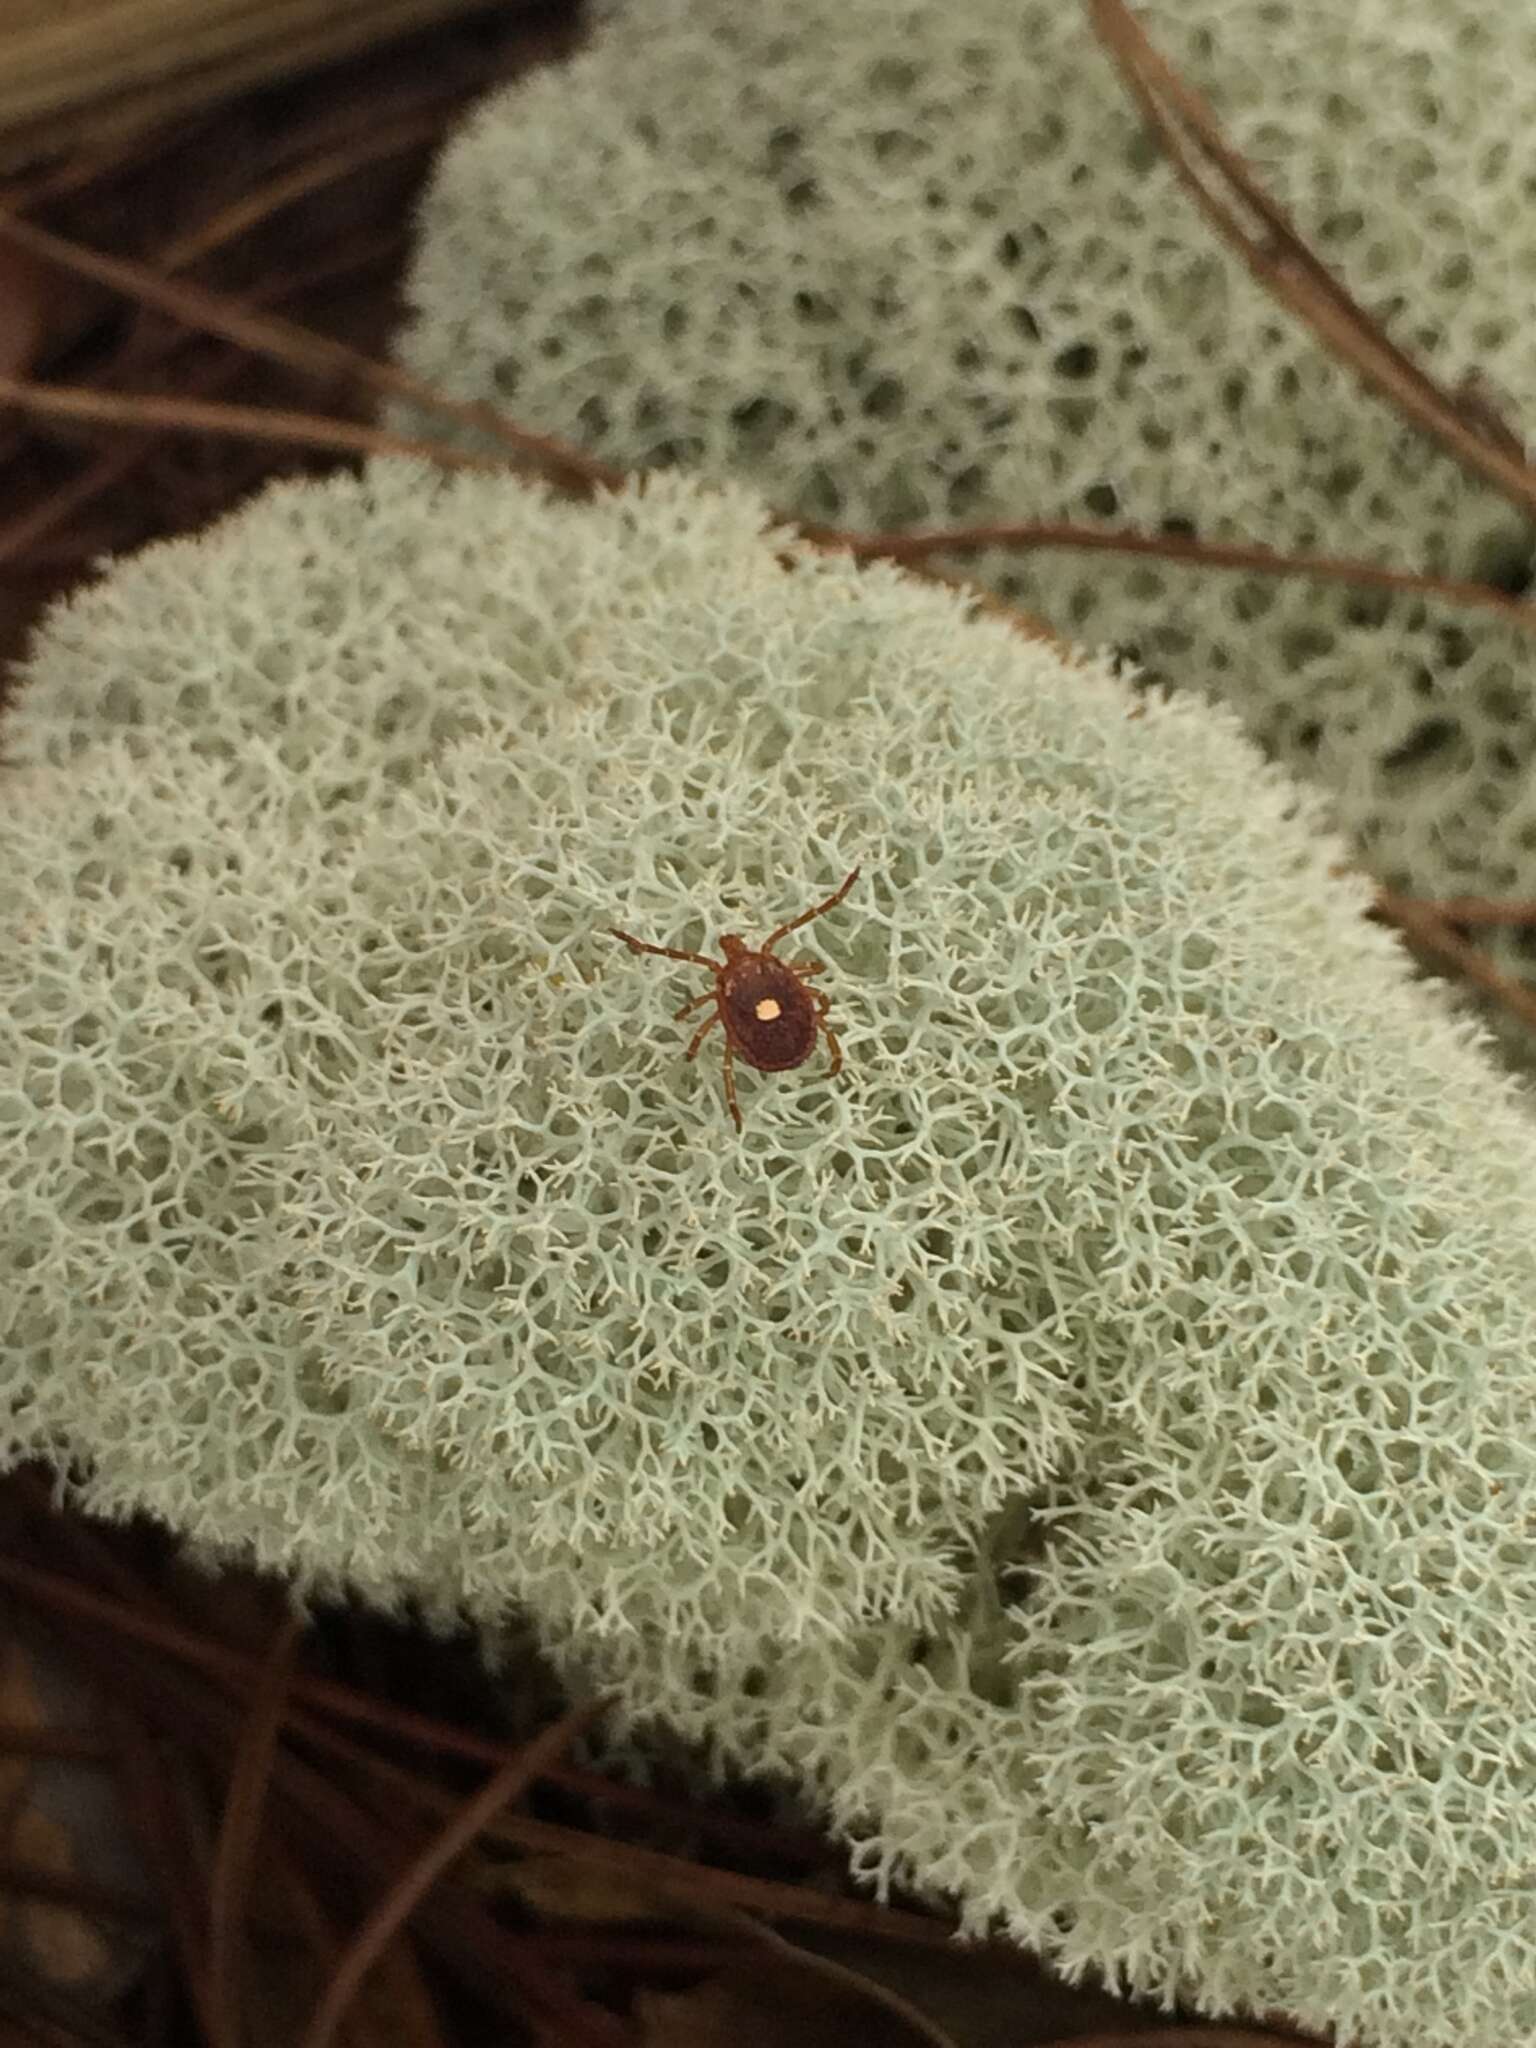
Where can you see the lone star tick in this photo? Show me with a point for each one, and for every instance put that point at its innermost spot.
(771, 1016)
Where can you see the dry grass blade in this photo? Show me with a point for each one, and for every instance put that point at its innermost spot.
(506, 1785)
(111, 70)
(234, 1855)
(1229, 194)
(300, 349)
(248, 422)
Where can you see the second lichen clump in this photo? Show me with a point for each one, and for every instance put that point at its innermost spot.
(924, 264)
(1160, 1236)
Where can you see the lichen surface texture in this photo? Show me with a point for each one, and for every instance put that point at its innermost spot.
(1089, 1440)
(904, 266)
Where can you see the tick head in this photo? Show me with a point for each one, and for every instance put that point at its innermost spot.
(731, 946)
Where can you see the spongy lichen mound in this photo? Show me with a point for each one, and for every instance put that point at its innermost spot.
(1090, 1438)
(922, 264)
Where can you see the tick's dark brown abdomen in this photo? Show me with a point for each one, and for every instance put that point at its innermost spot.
(757, 983)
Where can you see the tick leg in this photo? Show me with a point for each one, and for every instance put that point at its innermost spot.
(709, 996)
(835, 1049)
(699, 1035)
(806, 915)
(667, 952)
(730, 1087)
(806, 968)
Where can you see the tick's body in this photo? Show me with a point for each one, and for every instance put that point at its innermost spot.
(770, 1013)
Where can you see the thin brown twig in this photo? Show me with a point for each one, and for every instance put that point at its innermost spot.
(285, 188)
(1227, 192)
(1294, 273)
(235, 1852)
(406, 1893)
(422, 1730)
(284, 341)
(673, 1876)
(224, 316)
(1024, 536)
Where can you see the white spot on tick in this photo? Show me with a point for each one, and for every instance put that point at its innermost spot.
(766, 1010)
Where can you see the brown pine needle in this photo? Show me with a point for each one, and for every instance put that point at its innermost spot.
(245, 422)
(329, 167)
(235, 1853)
(1203, 2034)
(503, 1968)
(1465, 910)
(1427, 927)
(1024, 536)
(66, 1745)
(26, 529)
(773, 1898)
(1228, 193)
(265, 334)
(151, 1807)
(109, 1902)
(319, 1935)
(384, 1923)
(839, 1983)
(237, 1673)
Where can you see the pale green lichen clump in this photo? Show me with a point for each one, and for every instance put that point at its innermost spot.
(900, 265)
(1090, 1439)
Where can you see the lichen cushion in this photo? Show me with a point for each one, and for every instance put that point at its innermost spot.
(1090, 1440)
